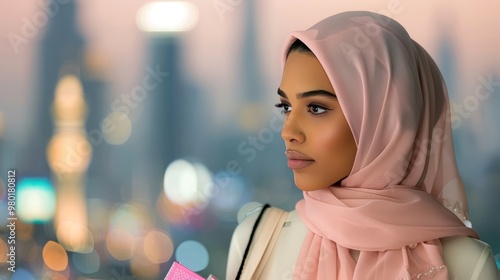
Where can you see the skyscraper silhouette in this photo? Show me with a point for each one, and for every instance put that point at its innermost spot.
(60, 50)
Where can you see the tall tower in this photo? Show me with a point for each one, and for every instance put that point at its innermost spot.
(69, 154)
(162, 134)
(60, 49)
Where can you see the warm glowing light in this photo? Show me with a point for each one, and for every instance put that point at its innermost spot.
(118, 244)
(116, 128)
(69, 154)
(180, 182)
(36, 200)
(71, 219)
(126, 224)
(172, 16)
(187, 183)
(75, 237)
(69, 103)
(158, 246)
(55, 256)
(141, 265)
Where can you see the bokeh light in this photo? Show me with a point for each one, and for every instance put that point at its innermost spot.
(69, 102)
(141, 265)
(171, 212)
(35, 199)
(187, 183)
(126, 223)
(127, 217)
(69, 154)
(193, 255)
(221, 59)
(54, 256)
(118, 244)
(158, 246)
(116, 128)
(75, 236)
(171, 16)
(180, 182)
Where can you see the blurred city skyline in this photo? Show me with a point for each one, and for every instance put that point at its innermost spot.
(200, 103)
(119, 56)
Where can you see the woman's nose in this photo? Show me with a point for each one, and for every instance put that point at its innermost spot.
(292, 131)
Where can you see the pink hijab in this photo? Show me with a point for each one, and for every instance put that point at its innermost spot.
(393, 205)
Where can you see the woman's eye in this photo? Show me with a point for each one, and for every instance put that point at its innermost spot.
(285, 107)
(317, 110)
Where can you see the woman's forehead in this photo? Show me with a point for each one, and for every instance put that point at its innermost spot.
(302, 72)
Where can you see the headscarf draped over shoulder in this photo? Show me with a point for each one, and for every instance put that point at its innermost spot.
(404, 191)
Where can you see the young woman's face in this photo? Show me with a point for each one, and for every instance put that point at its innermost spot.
(319, 144)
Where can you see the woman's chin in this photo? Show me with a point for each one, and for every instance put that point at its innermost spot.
(308, 187)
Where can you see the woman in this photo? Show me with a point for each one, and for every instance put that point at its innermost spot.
(368, 137)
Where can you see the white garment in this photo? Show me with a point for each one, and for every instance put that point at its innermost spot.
(466, 258)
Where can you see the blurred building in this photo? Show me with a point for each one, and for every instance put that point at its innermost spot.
(60, 50)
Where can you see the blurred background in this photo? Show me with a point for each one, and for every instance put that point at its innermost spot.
(137, 129)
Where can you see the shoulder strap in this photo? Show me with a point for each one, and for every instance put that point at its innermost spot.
(276, 220)
(247, 249)
(256, 254)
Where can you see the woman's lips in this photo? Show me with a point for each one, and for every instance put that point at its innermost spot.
(297, 160)
(296, 164)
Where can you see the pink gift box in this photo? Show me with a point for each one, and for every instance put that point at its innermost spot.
(179, 272)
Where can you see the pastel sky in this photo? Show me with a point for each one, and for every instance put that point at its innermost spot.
(211, 49)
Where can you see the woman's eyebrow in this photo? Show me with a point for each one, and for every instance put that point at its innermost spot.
(310, 93)
(282, 93)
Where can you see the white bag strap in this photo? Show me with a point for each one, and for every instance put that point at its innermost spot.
(278, 222)
(267, 234)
